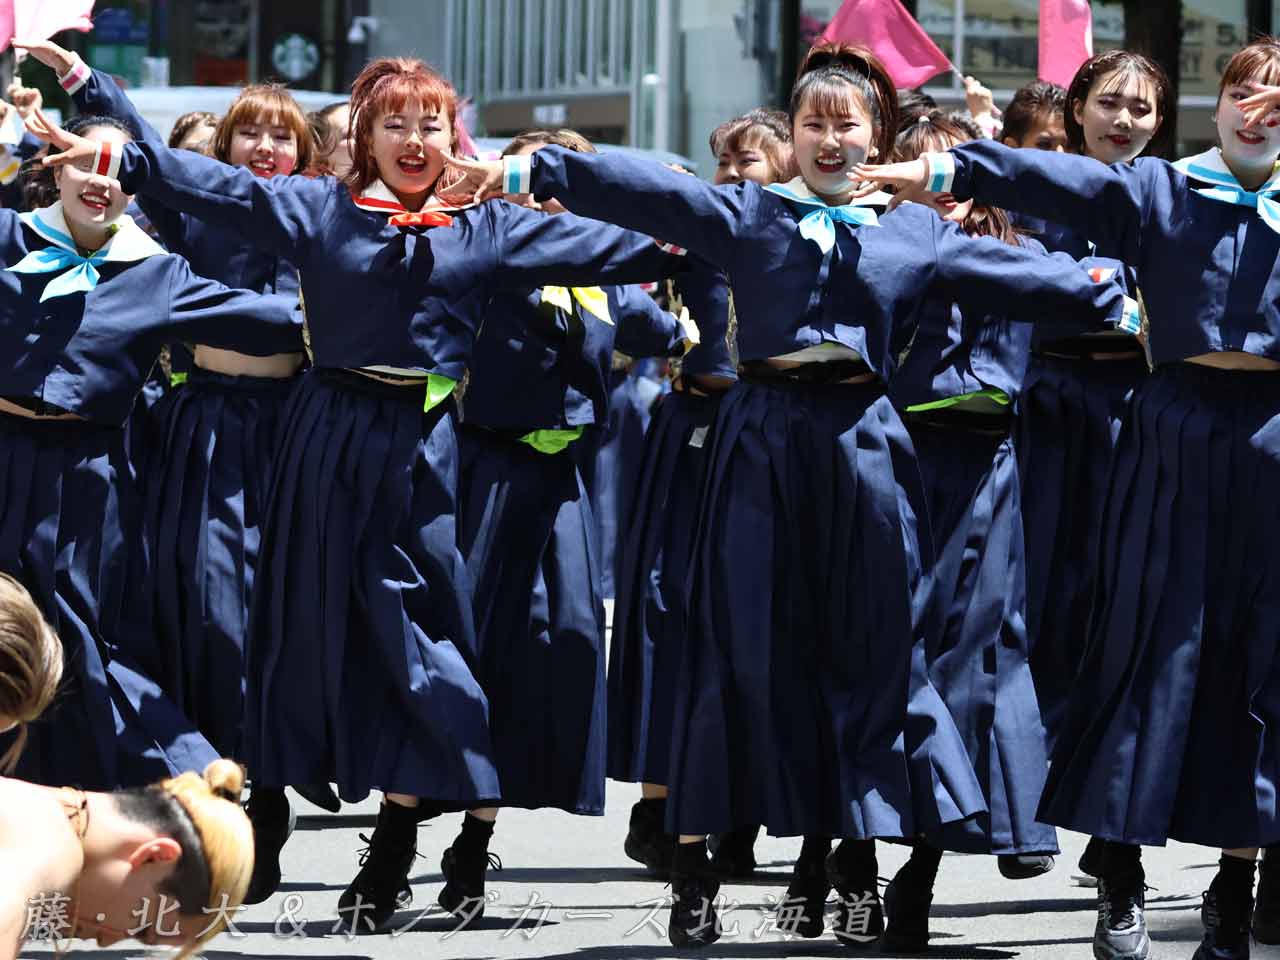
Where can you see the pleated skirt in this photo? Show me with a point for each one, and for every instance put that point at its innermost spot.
(976, 646)
(650, 616)
(527, 534)
(1171, 732)
(1069, 418)
(206, 489)
(803, 701)
(70, 531)
(362, 650)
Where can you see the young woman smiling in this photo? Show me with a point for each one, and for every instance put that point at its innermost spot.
(362, 642)
(1169, 732)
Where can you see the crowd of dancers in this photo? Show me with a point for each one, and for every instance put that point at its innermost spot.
(954, 522)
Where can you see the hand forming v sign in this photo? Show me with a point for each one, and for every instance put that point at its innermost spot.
(469, 181)
(1261, 105)
(74, 149)
(913, 173)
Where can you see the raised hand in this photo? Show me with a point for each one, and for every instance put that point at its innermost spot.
(469, 181)
(54, 57)
(25, 99)
(73, 149)
(1261, 105)
(978, 99)
(901, 176)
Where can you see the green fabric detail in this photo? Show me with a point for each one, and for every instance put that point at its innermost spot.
(177, 379)
(979, 398)
(551, 441)
(438, 390)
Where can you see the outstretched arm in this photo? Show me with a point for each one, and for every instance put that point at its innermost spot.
(283, 215)
(646, 330)
(205, 311)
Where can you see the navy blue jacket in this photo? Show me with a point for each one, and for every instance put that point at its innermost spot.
(704, 290)
(537, 367)
(867, 293)
(1207, 269)
(89, 353)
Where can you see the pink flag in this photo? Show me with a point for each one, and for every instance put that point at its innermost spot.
(893, 35)
(1066, 39)
(41, 19)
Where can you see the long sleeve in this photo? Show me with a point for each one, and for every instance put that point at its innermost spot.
(644, 328)
(282, 215)
(1107, 204)
(535, 249)
(990, 275)
(642, 195)
(96, 93)
(205, 311)
(705, 293)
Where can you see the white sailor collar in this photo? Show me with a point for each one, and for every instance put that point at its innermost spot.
(128, 242)
(377, 196)
(1209, 167)
(798, 191)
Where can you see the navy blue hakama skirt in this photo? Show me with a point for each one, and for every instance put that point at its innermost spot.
(360, 667)
(1172, 730)
(1068, 421)
(803, 702)
(977, 642)
(206, 488)
(70, 533)
(526, 533)
(650, 617)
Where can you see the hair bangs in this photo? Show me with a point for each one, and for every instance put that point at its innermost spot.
(1117, 81)
(267, 103)
(1259, 62)
(828, 96)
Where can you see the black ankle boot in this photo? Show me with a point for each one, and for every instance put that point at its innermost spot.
(321, 794)
(907, 900)
(273, 820)
(1266, 909)
(382, 885)
(693, 894)
(802, 911)
(859, 917)
(646, 841)
(733, 854)
(1225, 913)
(464, 866)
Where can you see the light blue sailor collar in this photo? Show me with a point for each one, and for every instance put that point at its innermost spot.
(1209, 167)
(128, 243)
(818, 224)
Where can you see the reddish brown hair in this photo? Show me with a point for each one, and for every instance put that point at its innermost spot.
(276, 104)
(188, 122)
(569, 139)
(1258, 61)
(823, 84)
(386, 85)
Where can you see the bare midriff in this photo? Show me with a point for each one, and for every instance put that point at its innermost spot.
(229, 362)
(1235, 360)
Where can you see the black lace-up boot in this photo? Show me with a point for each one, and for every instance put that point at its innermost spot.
(693, 898)
(852, 870)
(1226, 910)
(464, 866)
(647, 842)
(907, 900)
(803, 910)
(382, 885)
(733, 854)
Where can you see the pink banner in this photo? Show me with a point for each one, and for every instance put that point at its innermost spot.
(895, 37)
(1066, 39)
(41, 19)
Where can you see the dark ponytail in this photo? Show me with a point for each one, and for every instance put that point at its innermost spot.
(825, 73)
(39, 189)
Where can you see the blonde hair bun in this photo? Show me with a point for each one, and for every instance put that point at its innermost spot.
(225, 779)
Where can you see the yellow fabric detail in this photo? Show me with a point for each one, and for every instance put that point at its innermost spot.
(995, 396)
(551, 441)
(439, 389)
(594, 300)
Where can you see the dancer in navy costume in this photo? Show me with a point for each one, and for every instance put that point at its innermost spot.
(1169, 730)
(649, 617)
(538, 380)
(804, 654)
(362, 650)
(80, 335)
(956, 388)
(1077, 387)
(217, 437)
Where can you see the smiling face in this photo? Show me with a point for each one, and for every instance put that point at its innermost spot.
(1119, 116)
(744, 160)
(91, 201)
(829, 143)
(408, 147)
(264, 144)
(1246, 147)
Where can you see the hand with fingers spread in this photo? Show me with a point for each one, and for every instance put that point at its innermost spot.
(470, 181)
(72, 149)
(1261, 106)
(914, 173)
(56, 58)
